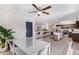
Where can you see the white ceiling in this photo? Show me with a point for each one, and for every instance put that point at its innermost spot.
(58, 12)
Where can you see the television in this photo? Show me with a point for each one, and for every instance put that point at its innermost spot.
(29, 31)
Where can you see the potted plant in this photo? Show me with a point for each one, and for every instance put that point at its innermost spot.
(5, 36)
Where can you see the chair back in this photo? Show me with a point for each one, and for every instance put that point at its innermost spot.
(11, 46)
(44, 51)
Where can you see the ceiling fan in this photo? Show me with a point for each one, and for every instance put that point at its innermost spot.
(40, 11)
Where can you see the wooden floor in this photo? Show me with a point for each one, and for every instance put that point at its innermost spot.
(8, 52)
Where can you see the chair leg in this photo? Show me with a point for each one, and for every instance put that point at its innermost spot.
(14, 53)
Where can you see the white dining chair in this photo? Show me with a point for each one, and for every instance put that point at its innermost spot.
(69, 50)
(15, 50)
(44, 51)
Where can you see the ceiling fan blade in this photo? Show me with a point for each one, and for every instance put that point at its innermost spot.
(36, 7)
(48, 7)
(33, 12)
(46, 13)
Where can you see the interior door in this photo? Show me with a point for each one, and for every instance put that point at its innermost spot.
(29, 29)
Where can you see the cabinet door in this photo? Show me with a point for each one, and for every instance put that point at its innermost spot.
(77, 24)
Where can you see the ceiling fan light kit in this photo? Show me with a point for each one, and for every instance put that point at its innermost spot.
(40, 12)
